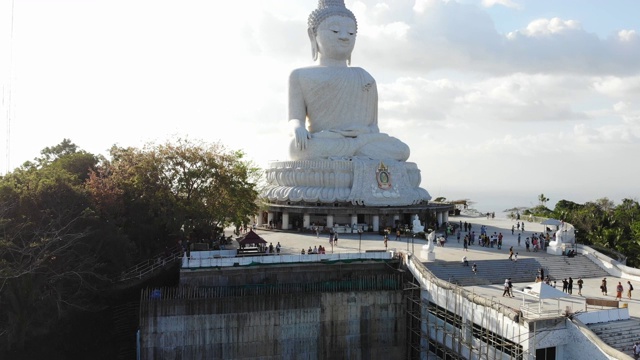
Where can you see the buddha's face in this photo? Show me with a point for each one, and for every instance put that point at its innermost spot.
(336, 37)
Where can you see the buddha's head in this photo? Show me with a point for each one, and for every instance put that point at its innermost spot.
(332, 17)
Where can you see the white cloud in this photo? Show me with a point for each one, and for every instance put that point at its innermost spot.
(619, 87)
(627, 35)
(544, 27)
(408, 37)
(505, 3)
(515, 98)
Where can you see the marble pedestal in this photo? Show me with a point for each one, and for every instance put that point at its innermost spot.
(426, 255)
(556, 249)
(357, 181)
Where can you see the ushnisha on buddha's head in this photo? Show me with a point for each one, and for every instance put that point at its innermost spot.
(332, 31)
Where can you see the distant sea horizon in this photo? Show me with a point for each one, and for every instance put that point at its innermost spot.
(499, 202)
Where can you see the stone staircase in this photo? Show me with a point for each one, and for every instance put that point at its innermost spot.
(559, 267)
(620, 335)
(524, 270)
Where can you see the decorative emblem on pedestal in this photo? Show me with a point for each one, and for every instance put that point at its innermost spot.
(383, 176)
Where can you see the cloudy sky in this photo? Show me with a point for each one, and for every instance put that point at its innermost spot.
(499, 100)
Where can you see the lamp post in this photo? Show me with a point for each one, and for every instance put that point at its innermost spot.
(360, 241)
(413, 239)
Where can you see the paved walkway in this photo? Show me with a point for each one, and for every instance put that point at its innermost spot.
(294, 242)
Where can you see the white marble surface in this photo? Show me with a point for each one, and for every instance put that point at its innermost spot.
(338, 153)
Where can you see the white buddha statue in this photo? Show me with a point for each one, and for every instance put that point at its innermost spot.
(338, 154)
(417, 226)
(333, 108)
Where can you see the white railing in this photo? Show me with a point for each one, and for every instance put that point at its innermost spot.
(199, 262)
(212, 254)
(532, 311)
(147, 267)
(612, 266)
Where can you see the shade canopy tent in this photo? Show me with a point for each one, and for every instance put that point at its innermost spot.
(542, 291)
(251, 239)
(553, 222)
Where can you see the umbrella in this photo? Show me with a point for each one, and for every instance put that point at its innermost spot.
(515, 209)
(554, 222)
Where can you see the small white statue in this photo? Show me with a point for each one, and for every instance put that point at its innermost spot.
(417, 226)
(431, 241)
(558, 236)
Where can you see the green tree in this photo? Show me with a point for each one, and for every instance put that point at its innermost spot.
(604, 225)
(54, 253)
(543, 199)
(177, 189)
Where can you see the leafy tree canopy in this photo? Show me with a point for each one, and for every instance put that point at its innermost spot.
(602, 223)
(181, 189)
(70, 221)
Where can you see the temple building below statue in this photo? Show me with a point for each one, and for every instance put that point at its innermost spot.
(346, 195)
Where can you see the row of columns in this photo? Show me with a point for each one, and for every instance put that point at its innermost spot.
(441, 216)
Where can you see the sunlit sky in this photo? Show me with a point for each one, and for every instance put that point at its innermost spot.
(499, 100)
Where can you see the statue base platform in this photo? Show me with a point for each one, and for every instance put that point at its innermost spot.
(358, 181)
(556, 250)
(425, 255)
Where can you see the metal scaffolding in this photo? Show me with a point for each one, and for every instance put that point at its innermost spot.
(435, 332)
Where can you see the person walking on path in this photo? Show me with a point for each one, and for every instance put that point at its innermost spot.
(506, 288)
(580, 282)
(515, 257)
(629, 290)
(511, 253)
(570, 286)
(603, 286)
(565, 285)
(474, 268)
(619, 290)
(518, 239)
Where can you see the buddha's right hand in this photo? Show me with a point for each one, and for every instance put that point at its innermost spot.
(301, 134)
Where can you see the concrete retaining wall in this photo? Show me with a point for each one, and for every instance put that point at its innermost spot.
(282, 273)
(339, 325)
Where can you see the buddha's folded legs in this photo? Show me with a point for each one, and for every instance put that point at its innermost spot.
(383, 146)
(373, 146)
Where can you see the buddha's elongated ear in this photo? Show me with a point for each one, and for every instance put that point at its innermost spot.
(314, 44)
